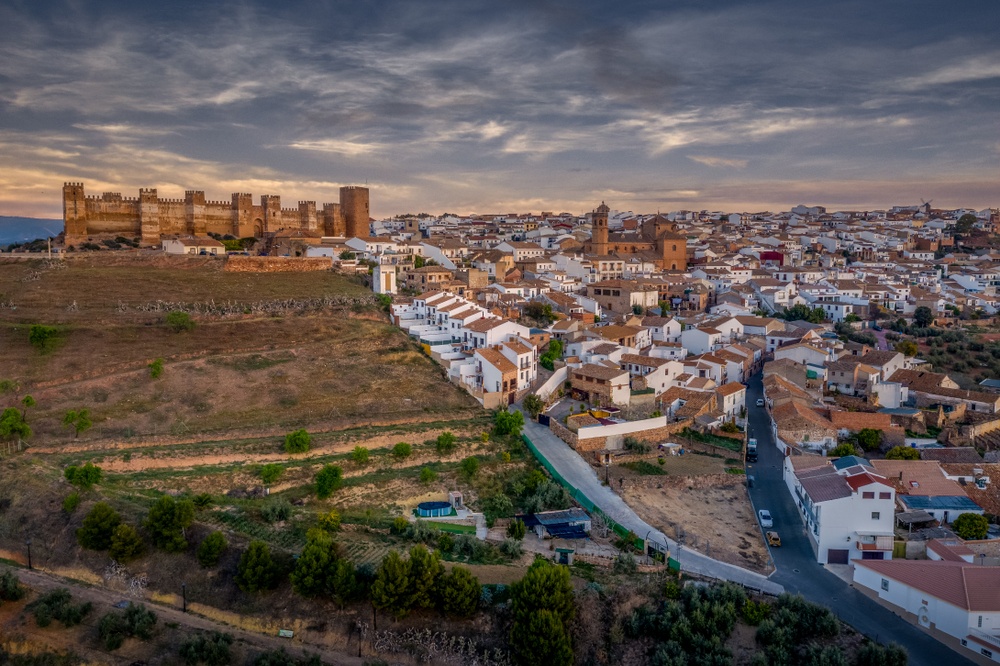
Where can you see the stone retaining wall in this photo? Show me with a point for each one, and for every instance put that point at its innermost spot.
(237, 264)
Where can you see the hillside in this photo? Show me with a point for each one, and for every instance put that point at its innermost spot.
(21, 229)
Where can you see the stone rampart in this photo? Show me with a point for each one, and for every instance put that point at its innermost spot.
(238, 264)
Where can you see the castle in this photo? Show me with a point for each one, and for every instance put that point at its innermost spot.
(657, 241)
(151, 217)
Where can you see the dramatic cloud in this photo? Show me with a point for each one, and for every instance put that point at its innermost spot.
(475, 106)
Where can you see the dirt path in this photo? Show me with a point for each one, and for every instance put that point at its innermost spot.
(104, 600)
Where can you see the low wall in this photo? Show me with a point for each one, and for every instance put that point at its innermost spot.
(979, 429)
(563, 433)
(237, 264)
(553, 384)
(654, 435)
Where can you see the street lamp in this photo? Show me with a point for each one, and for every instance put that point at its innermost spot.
(184, 598)
(27, 542)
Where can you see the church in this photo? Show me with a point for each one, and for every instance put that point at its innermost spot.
(657, 241)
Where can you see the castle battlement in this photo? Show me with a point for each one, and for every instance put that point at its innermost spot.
(152, 217)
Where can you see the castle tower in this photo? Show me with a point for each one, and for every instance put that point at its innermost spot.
(599, 230)
(307, 215)
(194, 212)
(354, 207)
(333, 220)
(149, 216)
(271, 205)
(74, 213)
(242, 212)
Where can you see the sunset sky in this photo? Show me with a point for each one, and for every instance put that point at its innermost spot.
(504, 106)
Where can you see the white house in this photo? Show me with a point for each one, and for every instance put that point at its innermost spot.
(959, 599)
(193, 245)
(662, 329)
(491, 332)
(701, 340)
(803, 353)
(732, 399)
(847, 507)
(524, 356)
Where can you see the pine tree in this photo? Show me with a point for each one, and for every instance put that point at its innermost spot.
(166, 522)
(459, 592)
(543, 640)
(98, 527)
(542, 606)
(126, 544)
(425, 569)
(390, 590)
(315, 566)
(256, 571)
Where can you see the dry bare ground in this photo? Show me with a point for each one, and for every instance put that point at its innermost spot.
(709, 507)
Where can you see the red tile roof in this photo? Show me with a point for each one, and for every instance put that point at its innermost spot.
(968, 586)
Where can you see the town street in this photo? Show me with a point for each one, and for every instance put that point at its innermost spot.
(580, 474)
(797, 568)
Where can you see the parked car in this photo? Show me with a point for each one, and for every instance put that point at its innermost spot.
(773, 539)
(765, 518)
(760, 402)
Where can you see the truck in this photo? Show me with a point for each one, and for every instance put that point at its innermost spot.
(751, 450)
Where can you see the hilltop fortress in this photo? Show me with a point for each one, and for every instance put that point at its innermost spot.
(151, 217)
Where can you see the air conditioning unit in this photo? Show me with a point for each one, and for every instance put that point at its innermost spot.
(982, 482)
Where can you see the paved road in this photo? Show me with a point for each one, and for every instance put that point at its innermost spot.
(578, 472)
(797, 569)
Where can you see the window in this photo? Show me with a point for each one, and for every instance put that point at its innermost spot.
(986, 653)
(885, 584)
(875, 515)
(980, 622)
(885, 495)
(868, 495)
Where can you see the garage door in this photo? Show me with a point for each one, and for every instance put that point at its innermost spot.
(836, 556)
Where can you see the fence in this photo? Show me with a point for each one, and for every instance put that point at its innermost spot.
(10, 448)
(584, 501)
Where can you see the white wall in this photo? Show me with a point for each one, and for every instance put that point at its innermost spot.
(554, 382)
(623, 428)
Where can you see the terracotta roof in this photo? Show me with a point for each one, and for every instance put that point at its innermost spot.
(497, 360)
(483, 325)
(950, 550)
(824, 484)
(970, 587)
(731, 388)
(865, 479)
(918, 477)
(953, 454)
(855, 421)
(650, 361)
(517, 347)
(597, 371)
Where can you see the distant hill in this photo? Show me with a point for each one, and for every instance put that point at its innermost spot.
(20, 229)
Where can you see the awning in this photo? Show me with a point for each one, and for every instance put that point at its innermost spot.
(918, 516)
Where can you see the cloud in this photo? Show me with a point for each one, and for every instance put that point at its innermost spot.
(719, 161)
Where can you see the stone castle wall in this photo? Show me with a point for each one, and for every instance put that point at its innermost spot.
(151, 217)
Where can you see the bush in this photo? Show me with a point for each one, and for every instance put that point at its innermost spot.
(202, 501)
(256, 571)
(43, 338)
(271, 472)
(166, 522)
(329, 521)
(755, 612)
(873, 654)
(635, 446)
(402, 451)
(126, 544)
(11, 588)
(98, 527)
(360, 455)
(211, 548)
(843, 449)
(870, 439)
(156, 368)
(625, 564)
(534, 405)
(211, 650)
(135, 621)
(511, 548)
(469, 467)
(276, 511)
(297, 441)
(71, 502)
(58, 605)
(328, 480)
(427, 475)
(516, 529)
(459, 592)
(84, 476)
(507, 422)
(970, 526)
(445, 542)
(445, 443)
(178, 321)
(902, 453)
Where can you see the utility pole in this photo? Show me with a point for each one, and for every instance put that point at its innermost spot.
(184, 598)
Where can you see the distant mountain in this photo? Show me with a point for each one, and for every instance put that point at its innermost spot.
(20, 229)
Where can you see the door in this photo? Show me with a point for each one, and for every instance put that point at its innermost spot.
(837, 556)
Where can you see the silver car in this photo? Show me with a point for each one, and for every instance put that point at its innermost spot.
(765, 518)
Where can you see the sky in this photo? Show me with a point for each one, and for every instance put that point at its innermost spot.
(492, 107)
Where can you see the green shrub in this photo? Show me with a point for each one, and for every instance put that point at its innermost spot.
(156, 368)
(328, 480)
(71, 502)
(98, 527)
(202, 500)
(10, 587)
(84, 476)
(211, 548)
(178, 321)
(402, 451)
(212, 649)
(427, 475)
(511, 548)
(43, 338)
(276, 511)
(360, 455)
(755, 612)
(297, 441)
(126, 544)
(633, 445)
(166, 521)
(516, 529)
(445, 443)
(257, 570)
(902, 453)
(329, 521)
(469, 467)
(970, 526)
(136, 621)
(58, 605)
